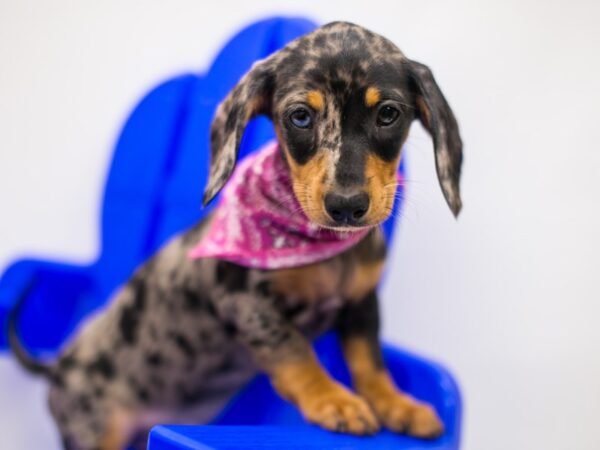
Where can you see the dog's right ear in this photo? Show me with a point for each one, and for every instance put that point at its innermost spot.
(249, 98)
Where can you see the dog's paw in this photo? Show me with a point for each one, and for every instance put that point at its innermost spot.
(403, 414)
(337, 409)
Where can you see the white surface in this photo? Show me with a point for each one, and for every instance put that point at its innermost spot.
(507, 296)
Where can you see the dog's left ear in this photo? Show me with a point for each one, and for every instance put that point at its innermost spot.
(437, 117)
(249, 98)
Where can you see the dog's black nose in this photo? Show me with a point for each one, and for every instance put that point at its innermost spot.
(346, 209)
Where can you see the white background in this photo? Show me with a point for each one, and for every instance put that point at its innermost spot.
(507, 296)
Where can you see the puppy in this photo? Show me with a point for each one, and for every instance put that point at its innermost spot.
(189, 329)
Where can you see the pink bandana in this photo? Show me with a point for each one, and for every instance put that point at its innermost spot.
(260, 224)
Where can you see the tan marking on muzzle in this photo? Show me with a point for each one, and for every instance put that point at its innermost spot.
(381, 186)
(309, 181)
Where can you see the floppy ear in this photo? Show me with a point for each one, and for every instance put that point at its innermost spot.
(249, 98)
(437, 117)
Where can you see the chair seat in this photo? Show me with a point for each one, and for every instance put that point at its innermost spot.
(257, 418)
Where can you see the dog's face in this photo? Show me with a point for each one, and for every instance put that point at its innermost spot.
(342, 100)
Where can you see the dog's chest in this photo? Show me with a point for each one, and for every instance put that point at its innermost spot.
(312, 296)
(312, 318)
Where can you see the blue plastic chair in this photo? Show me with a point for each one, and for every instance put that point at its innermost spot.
(153, 191)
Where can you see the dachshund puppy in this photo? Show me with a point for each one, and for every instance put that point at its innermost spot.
(197, 321)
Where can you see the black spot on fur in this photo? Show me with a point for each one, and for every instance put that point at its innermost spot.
(85, 404)
(257, 342)
(278, 337)
(230, 329)
(143, 394)
(58, 379)
(320, 40)
(154, 359)
(67, 362)
(232, 276)
(362, 320)
(317, 76)
(263, 321)
(130, 317)
(173, 276)
(339, 87)
(271, 337)
(210, 309)
(128, 325)
(68, 443)
(203, 336)
(193, 301)
(188, 398)
(226, 366)
(294, 310)
(263, 288)
(221, 272)
(102, 365)
(184, 345)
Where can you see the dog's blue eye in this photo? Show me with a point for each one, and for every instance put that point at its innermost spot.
(387, 115)
(301, 118)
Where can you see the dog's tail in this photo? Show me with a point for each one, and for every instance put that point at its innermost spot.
(15, 344)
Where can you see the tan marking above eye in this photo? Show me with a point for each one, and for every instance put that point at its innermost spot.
(315, 100)
(372, 96)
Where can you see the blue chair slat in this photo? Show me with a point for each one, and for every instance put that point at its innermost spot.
(271, 437)
(143, 159)
(182, 193)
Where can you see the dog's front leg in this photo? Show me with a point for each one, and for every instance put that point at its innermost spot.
(288, 359)
(359, 331)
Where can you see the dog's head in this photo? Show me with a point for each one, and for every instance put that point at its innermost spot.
(342, 100)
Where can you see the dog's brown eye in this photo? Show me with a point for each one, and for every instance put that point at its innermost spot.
(301, 118)
(387, 115)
